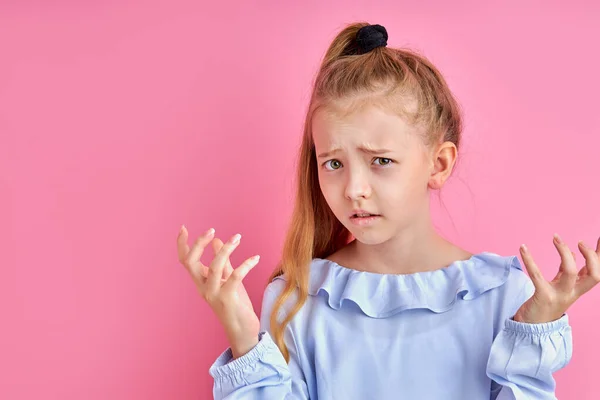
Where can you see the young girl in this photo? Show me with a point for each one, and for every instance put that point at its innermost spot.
(369, 302)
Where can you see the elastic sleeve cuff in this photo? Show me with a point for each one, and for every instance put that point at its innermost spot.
(537, 329)
(225, 365)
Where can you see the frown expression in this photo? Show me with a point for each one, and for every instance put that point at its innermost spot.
(372, 160)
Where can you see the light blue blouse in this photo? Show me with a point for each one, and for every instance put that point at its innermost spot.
(444, 334)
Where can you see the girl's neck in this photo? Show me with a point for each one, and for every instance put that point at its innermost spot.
(415, 250)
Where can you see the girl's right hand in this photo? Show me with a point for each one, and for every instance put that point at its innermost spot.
(235, 312)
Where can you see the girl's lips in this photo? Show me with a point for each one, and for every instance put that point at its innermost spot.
(364, 221)
(359, 212)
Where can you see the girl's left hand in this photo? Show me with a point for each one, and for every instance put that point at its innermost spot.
(552, 299)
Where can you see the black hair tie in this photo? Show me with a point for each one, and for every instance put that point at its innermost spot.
(371, 37)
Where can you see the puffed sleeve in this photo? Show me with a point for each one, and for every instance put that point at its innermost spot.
(262, 373)
(524, 356)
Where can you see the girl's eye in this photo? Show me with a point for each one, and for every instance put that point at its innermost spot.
(332, 165)
(383, 161)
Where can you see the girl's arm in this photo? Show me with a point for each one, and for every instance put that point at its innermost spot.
(262, 373)
(537, 340)
(525, 356)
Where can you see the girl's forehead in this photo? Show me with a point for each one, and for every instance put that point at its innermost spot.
(370, 125)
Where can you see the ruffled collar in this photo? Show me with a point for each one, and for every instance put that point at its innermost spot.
(383, 295)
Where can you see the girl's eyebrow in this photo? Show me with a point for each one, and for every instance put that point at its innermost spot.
(364, 149)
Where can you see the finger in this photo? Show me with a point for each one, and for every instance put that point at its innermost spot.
(217, 244)
(240, 273)
(568, 267)
(204, 272)
(598, 247)
(559, 274)
(218, 264)
(532, 269)
(197, 249)
(592, 264)
(182, 246)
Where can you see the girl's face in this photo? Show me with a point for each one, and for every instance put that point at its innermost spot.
(372, 162)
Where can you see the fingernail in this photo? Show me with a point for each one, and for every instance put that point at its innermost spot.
(256, 258)
(557, 238)
(182, 228)
(236, 238)
(210, 232)
(524, 248)
(583, 244)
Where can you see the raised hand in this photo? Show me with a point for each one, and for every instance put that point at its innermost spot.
(217, 244)
(552, 299)
(219, 284)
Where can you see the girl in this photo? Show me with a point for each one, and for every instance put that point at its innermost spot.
(369, 302)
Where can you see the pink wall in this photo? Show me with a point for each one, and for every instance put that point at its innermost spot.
(121, 121)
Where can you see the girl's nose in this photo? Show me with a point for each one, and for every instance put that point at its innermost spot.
(358, 186)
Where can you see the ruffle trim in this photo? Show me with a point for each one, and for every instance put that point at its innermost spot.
(383, 295)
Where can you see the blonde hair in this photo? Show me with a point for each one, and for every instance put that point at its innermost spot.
(399, 79)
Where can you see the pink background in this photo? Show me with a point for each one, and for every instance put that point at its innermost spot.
(121, 121)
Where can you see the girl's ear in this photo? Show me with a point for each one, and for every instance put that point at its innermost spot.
(444, 158)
